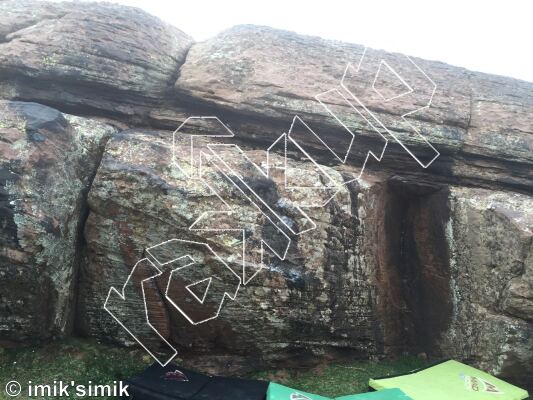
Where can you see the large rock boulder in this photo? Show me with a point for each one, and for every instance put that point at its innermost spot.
(47, 163)
(393, 266)
(429, 252)
(316, 301)
(87, 58)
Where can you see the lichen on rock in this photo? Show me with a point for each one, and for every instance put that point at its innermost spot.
(48, 162)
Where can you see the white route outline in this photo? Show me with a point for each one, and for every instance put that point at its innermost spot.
(226, 294)
(122, 296)
(255, 199)
(403, 116)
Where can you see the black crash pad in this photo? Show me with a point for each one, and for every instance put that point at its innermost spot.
(219, 388)
(175, 383)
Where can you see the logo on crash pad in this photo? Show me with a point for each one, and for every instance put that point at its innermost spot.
(475, 384)
(176, 375)
(298, 396)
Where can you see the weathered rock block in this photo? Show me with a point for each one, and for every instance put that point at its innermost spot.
(317, 301)
(87, 58)
(491, 265)
(424, 254)
(260, 78)
(48, 160)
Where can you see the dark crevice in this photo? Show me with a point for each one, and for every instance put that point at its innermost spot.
(81, 244)
(175, 76)
(416, 303)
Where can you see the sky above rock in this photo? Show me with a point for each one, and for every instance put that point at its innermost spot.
(493, 37)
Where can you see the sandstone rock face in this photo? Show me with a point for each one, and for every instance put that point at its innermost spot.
(451, 267)
(48, 162)
(140, 199)
(480, 124)
(490, 238)
(90, 58)
(393, 265)
(418, 254)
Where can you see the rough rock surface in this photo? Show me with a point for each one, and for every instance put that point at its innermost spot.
(431, 257)
(490, 239)
(140, 199)
(480, 124)
(393, 266)
(87, 57)
(48, 160)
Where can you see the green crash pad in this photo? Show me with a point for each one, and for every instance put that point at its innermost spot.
(450, 380)
(280, 392)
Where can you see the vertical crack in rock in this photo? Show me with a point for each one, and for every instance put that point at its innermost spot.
(48, 161)
(81, 244)
(173, 77)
